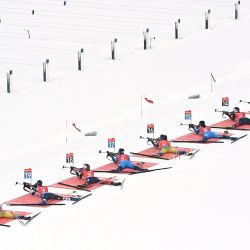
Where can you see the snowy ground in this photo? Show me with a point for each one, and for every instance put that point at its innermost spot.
(198, 204)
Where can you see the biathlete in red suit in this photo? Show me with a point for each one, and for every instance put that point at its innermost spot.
(42, 191)
(239, 118)
(87, 175)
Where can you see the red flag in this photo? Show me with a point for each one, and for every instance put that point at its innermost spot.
(149, 101)
(74, 125)
(213, 77)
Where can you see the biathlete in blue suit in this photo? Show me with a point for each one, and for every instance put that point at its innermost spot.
(206, 132)
(123, 161)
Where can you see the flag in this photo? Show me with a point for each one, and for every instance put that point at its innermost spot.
(212, 77)
(149, 101)
(74, 125)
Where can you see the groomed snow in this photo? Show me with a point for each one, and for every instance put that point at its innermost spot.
(197, 204)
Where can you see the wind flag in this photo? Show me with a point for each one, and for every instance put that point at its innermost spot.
(148, 100)
(74, 125)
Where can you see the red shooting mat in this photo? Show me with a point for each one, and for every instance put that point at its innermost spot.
(192, 137)
(28, 199)
(169, 156)
(6, 220)
(227, 124)
(74, 181)
(113, 166)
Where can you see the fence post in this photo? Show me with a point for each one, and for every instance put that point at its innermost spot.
(28, 32)
(151, 40)
(80, 59)
(177, 33)
(45, 70)
(146, 39)
(8, 80)
(236, 10)
(207, 14)
(113, 49)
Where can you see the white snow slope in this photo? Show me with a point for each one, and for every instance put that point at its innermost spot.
(201, 203)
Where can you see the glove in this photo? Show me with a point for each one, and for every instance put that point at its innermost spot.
(33, 192)
(149, 139)
(79, 175)
(191, 125)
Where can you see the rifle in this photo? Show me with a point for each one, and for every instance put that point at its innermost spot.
(245, 101)
(223, 112)
(109, 154)
(150, 140)
(66, 167)
(28, 187)
(191, 126)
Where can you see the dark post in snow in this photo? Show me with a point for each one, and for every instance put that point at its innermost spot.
(146, 39)
(177, 35)
(45, 70)
(33, 12)
(151, 39)
(207, 14)
(236, 10)
(28, 32)
(80, 59)
(8, 80)
(113, 49)
(64, 3)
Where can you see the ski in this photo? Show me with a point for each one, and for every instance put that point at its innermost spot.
(150, 156)
(109, 171)
(193, 154)
(231, 128)
(32, 217)
(34, 204)
(3, 225)
(199, 141)
(238, 138)
(81, 198)
(77, 187)
(150, 170)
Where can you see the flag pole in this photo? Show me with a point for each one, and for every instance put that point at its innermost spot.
(66, 131)
(211, 81)
(141, 106)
